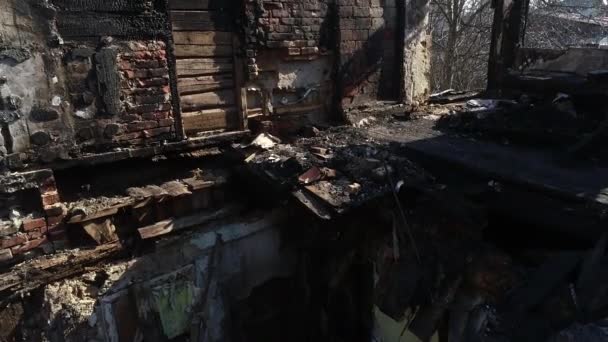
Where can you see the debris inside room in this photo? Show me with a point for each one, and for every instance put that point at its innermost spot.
(286, 170)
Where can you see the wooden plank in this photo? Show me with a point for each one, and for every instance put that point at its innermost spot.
(102, 231)
(208, 79)
(210, 119)
(204, 86)
(201, 63)
(201, 4)
(203, 66)
(206, 100)
(203, 70)
(201, 21)
(297, 109)
(173, 225)
(184, 26)
(28, 277)
(202, 38)
(239, 88)
(202, 50)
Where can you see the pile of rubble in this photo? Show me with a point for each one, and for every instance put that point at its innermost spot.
(336, 170)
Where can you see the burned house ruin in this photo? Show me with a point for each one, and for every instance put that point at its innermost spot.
(253, 170)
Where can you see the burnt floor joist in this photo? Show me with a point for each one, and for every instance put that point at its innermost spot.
(529, 184)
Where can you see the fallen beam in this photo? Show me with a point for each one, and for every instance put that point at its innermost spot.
(28, 277)
(176, 224)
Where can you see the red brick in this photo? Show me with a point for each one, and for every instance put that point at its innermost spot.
(49, 198)
(12, 241)
(153, 82)
(151, 99)
(165, 122)
(36, 234)
(156, 116)
(146, 64)
(141, 125)
(34, 223)
(142, 55)
(157, 131)
(125, 65)
(128, 136)
(151, 73)
(29, 245)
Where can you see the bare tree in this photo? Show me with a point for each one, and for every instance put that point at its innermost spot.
(559, 24)
(461, 40)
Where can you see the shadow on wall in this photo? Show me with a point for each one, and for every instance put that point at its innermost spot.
(359, 72)
(384, 56)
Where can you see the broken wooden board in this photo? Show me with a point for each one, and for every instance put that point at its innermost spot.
(27, 277)
(101, 230)
(176, 189)
(329, 193)
(113, 210)
(312, 203)
(176, 224)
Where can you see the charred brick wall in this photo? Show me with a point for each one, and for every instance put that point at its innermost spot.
(290, 57)
(85, 78)
(145, 94)
(34, 219)
(120, 93)
(300, 28)
(369, 68)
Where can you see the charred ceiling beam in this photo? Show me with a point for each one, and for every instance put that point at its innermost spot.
(103, 5)
(97, 24)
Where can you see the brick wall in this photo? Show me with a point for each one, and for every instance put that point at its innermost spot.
(300, 29)
(34, 231)
(294, 25)
(84, 85)
(120, 93)
(368, 50)
(145, 93)
(290, 50)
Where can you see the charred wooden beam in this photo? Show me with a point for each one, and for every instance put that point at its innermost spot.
(28, 277)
